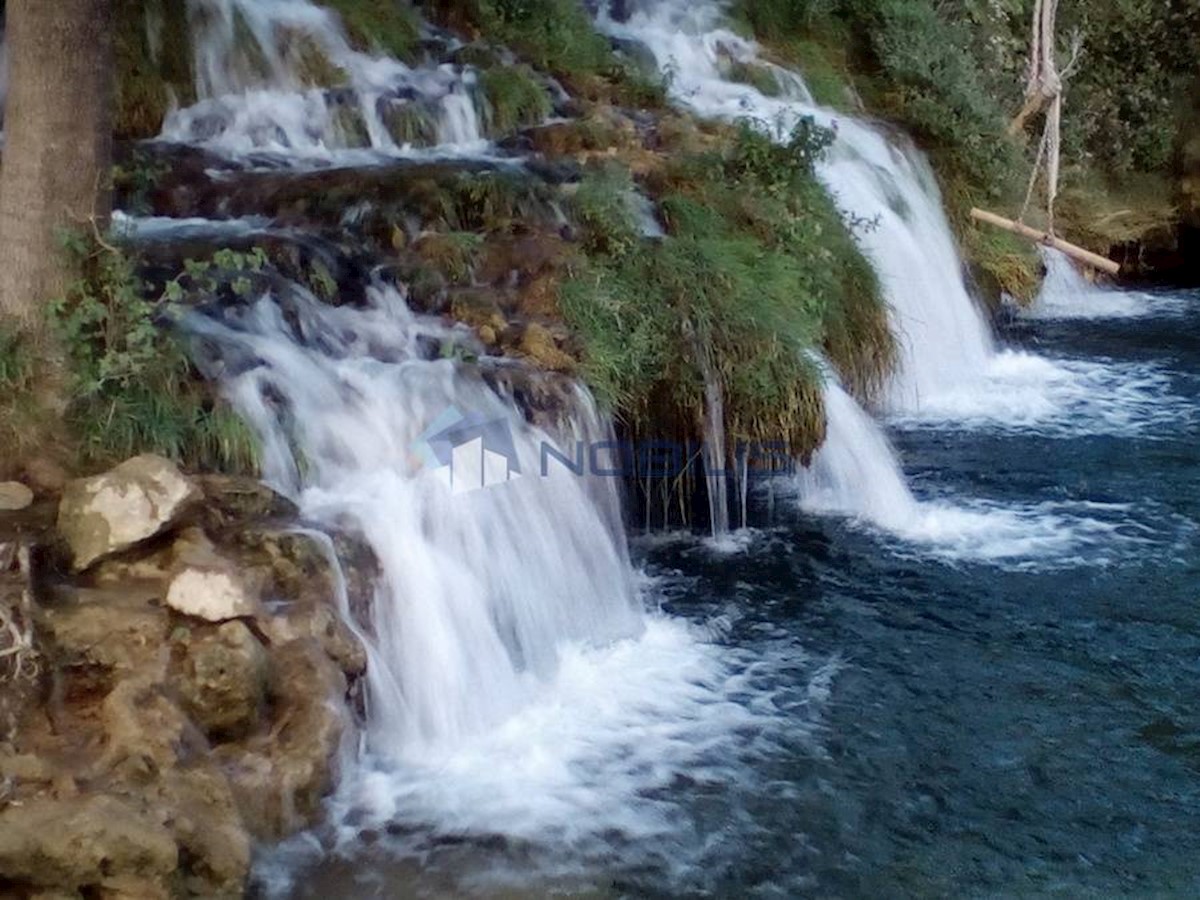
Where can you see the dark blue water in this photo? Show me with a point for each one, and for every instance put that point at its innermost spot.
(1026, 728)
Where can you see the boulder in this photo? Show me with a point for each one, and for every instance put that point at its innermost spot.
(321, 622)
(220, 676)
(99, 843)
(145, 733)
(208, 828)
(279, 779)
(118, 509)
(206, 585)
(14, 496)
(102, 636)
(45, 476)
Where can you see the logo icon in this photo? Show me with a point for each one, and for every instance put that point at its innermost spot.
(468, 452)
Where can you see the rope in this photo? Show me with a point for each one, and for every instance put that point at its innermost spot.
(1044, 87)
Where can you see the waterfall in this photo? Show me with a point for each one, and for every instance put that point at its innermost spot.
(714, 449)
(1066, 294)
(875, 176)
(488, 567)
(280, 76)
(855, 471)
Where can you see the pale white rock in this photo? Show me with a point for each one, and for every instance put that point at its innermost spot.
(206, 585)
(14, 496)
(111, 512)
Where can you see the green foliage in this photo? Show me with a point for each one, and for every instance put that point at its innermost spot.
(16, 362)
(776, 19)
(388, 26)
(132, 388)
(134, 181)
(756, 272)
(930, 80)
(452, 253)
(554, 35)
(758, 76)
(515, 98)
(1124, 104)
(602, 210)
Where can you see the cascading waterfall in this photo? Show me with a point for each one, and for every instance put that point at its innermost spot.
(481, 583)
(876, 177)
(515, 684)
(258, 68)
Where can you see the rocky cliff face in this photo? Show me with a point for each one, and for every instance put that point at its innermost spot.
(177, 683)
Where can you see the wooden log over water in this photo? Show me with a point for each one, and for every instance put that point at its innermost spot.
(1087, 257)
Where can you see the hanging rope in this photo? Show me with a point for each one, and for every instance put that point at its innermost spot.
(1044, 88)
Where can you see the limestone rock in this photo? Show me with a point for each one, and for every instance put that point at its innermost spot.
(14, 496)
(45, 476)
(221, 678)
(111, 512)
(230, 499)
(145, 732)
(95, 841)
(208, 586)
(206, 825)
(107, 635)
(279, 781)
(322, 623)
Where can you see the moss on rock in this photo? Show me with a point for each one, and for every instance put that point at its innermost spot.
(153, 54)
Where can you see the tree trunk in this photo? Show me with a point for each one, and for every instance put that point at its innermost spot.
(57, 145)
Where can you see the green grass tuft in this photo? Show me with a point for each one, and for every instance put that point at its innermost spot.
(514, 98)
(756, 272)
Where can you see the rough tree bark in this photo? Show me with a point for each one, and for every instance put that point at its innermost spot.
(57, 145)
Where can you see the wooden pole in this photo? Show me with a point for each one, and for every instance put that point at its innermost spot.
(1087, 257)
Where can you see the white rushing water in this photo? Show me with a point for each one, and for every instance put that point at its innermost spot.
(258, 64)
(1066, 294)
(516, 685)
(479, 588)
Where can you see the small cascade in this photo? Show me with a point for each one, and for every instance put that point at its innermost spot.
(1066, 294)
(855, 472)
(280, 76)
(489, 568)
(714, 455)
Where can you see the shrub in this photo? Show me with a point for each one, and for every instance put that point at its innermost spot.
(555, 36)
(131, 385)
(387, 26)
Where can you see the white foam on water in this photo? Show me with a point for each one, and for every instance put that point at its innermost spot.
(856, 474)
(585, 760)
(1064, 397)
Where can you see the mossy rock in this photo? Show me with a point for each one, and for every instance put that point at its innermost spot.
(150, 74)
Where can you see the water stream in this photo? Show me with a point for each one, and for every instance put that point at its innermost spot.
(969, 674)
